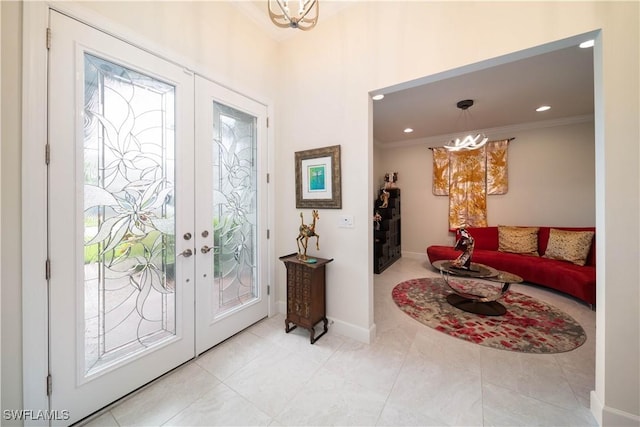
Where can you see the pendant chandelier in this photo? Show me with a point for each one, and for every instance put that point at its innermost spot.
(305, 19)
(471, 141)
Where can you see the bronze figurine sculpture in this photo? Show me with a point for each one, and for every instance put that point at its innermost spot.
(306, 231)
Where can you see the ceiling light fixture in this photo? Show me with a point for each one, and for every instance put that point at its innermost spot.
(543, 108)
(305, 19)
(408, 130)
(469, 142)
(377, 97)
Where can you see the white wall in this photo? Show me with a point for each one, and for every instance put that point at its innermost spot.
(11, 321)
(228, 45)
(551, 182)
(372, 45)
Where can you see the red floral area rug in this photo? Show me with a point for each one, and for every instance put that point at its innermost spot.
(529, 326)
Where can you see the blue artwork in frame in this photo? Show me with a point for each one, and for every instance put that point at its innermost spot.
(317, 177)
(318, 181)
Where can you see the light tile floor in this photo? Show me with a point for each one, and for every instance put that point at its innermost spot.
(410, 375)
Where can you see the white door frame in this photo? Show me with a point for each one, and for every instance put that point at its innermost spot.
(35, 316)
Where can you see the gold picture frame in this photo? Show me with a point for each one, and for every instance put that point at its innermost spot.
(318, 180)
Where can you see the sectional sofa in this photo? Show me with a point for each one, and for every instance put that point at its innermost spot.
(535, 267)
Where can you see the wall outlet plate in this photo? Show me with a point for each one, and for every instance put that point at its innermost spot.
(345, 221)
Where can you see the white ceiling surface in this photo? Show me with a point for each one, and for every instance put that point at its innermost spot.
(505, 95)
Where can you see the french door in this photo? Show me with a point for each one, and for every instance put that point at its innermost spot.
(154, 216)
(230, 215)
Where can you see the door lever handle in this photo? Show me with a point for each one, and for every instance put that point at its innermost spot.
(205, 249)
(186, 253)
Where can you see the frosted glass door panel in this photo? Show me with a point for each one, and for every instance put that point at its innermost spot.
(234, 209)
(129, 221)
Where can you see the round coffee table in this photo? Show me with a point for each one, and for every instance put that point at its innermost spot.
(473, 303)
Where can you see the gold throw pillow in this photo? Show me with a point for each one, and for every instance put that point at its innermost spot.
(572, 246)
(519, 240)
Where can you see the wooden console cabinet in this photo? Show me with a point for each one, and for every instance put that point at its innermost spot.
(306, 303)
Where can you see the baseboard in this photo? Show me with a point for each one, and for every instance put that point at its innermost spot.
(607, 416)
(345, 329)
(596, 407)
(352, 331)
(416, 255)
(614, 417)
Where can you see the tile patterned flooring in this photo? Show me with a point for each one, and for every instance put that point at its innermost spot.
(411, 375)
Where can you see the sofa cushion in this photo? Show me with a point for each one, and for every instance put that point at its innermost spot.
(543, 240)
(572, 246)
(519, 240)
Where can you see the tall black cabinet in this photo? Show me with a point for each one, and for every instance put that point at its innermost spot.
(386, 232)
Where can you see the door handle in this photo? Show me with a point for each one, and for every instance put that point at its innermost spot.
(186, 253)
(205, 249)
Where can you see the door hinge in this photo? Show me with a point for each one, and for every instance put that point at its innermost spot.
(267, 122)
(47, 269)
(47, 154)
(268, 289)
(268, 178)
(49, 385)
(48, 38)
(268, 233)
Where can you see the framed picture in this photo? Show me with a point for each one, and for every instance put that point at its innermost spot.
(318, 182)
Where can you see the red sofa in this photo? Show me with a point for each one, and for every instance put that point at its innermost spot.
(575, 280)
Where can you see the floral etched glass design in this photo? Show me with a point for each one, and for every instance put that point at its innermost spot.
(234, 209)
(129, 204)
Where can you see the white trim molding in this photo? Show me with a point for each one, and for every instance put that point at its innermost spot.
(439, 140)
(352, 331)
(34, 192)
(608, 416)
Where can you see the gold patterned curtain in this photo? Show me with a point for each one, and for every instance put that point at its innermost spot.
(467, 177)
(468, 189)
(440, 171)
(497, 182)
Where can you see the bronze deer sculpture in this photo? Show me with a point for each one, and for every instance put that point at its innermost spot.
(306, 231)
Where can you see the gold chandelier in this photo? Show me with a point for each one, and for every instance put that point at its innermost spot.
(305, 19)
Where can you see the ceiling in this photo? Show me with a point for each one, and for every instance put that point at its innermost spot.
(505, 95)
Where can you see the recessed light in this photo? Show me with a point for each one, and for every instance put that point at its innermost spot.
(408, 130)
(543, 108)
(588, 43)
(377, 97)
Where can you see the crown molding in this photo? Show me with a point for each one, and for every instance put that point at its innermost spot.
(439, 140)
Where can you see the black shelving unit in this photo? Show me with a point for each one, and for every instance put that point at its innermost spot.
(386, 246)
